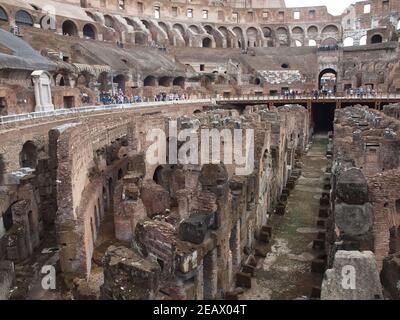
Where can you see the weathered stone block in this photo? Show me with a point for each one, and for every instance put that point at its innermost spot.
(363, 277)
(354, 219)
(352, 187)
(195, 228)
(128, 276)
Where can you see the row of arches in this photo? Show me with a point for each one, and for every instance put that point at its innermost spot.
(349, 41)
(24, 18)
(151, 81)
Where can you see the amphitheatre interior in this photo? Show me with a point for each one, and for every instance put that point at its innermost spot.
(84, 82)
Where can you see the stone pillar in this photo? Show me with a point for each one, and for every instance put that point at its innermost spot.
(235, 245)
(210, 269)
(41, 80)
(199, 281)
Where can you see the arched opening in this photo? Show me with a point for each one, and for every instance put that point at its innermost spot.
(8, 221)
(179, 81)
(239, 37)
(69, 28)
(329, 42)
(252, 37)
(363, 40)
(312, 43)
(194, 29)
(120, 81)
(157, 176)
(28, 155)
(89, 32)
(120, 174)
(207, 43)
(327, 80)
(59, 80)
(23, 18)
(149, 81)
(208, 29)
(164, 82)
(298, 43)
(312, 31)
(377, 38)
(282, 37)
(257, 81)
(3, 15)
(348, 42)
(108, 21)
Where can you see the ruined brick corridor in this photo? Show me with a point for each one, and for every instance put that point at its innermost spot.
(285, 273)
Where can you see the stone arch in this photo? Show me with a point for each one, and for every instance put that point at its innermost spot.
(376, 38)
(28, 156)
(209, 29)
(179, 28)
(89, 31)
(69, 28)
(348, 42)
(180, 32)
(179, 81)
(165, 81)
(324, 72)
(23, 18)
(207, 43)
(109, 21)
(252, 37)
(312, 31)
(225, 33)
(195, 29)
(298, 31)
(329, 42)
(267, 32)
(330, 31)
(120, 80)
(165, 28)
(240, 42)
(282, 36)
(59, 80)
(149, 81)
(3, 14)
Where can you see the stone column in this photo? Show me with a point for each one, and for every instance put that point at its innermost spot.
(210, 268)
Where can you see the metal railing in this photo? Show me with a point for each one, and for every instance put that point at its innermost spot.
(308, 97)
(80, 110)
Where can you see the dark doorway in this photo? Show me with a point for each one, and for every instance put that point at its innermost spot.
(28, 155)
(323, 115)
(69, 102)
(8, 219)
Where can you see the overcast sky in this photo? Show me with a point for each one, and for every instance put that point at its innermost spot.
(335, 7)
